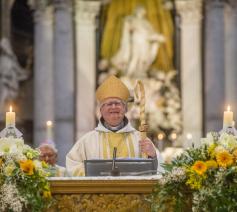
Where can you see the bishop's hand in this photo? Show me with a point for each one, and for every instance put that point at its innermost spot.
(147, 147)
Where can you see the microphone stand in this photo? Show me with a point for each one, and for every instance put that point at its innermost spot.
(115, 170)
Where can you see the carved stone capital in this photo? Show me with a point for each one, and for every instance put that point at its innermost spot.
(232, 3)
(44, 15)
(231, 8)
(39, 4)
(190, 11)
(63, 5)
(86, 11)
(214, 4)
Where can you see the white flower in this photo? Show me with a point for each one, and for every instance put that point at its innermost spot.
(11, 145)
(220, 149)
(10, 198)
(37, 164)
(209, 140)
(228, 141)
(178, 174)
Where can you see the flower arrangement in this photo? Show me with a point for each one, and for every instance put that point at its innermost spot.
(23, 183)
(200, 179)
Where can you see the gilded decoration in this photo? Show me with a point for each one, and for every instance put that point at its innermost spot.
(104, 194)
(100, 202)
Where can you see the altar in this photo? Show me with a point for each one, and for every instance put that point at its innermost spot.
(102, 193)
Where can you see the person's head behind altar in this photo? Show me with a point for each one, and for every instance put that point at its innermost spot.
(48, 153)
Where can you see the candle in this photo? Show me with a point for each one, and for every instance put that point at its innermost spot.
(173, 136)
(189, 138)
(10, 117)
(160, 136)
(49, 135)
(228, 118)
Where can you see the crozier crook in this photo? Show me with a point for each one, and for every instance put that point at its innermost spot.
(143, 128)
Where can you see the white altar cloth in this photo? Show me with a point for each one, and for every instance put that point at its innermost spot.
(151, 177)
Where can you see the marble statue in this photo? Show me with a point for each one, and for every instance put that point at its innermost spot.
(10, 73)
(139, 45)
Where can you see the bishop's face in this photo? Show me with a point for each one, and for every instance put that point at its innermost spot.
(113, 111)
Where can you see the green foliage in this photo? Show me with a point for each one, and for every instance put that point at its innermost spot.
(191, 155)
(201, 179)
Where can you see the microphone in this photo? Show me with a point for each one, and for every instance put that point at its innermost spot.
(115, 170)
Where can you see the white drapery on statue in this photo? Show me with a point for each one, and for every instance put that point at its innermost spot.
(10, 73)
(139, 45)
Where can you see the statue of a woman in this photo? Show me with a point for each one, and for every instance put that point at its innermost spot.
(139, 45)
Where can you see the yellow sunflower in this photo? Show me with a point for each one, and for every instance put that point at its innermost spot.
(27, 166)
(211, 164)
(199, 167)
(224, 158)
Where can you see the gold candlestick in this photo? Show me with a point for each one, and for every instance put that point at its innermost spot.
(143, 128)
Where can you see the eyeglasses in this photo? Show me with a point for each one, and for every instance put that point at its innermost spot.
(47, 155)
(115, 103)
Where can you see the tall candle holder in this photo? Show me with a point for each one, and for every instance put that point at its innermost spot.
(229, 130)
(228, 123)
(10, 130)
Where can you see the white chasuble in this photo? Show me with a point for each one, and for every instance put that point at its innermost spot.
(99, 144)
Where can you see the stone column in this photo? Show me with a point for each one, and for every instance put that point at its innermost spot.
(43, 71)
(191, 72)
(85, 16)
(231, 55)
(63, 78)
(5, 18)
(214, 91)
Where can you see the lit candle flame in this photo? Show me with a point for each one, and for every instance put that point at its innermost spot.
(189, 136)
(160, 136)
(228, 108)
(173, 136)
(10, 108)
(49, 123)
